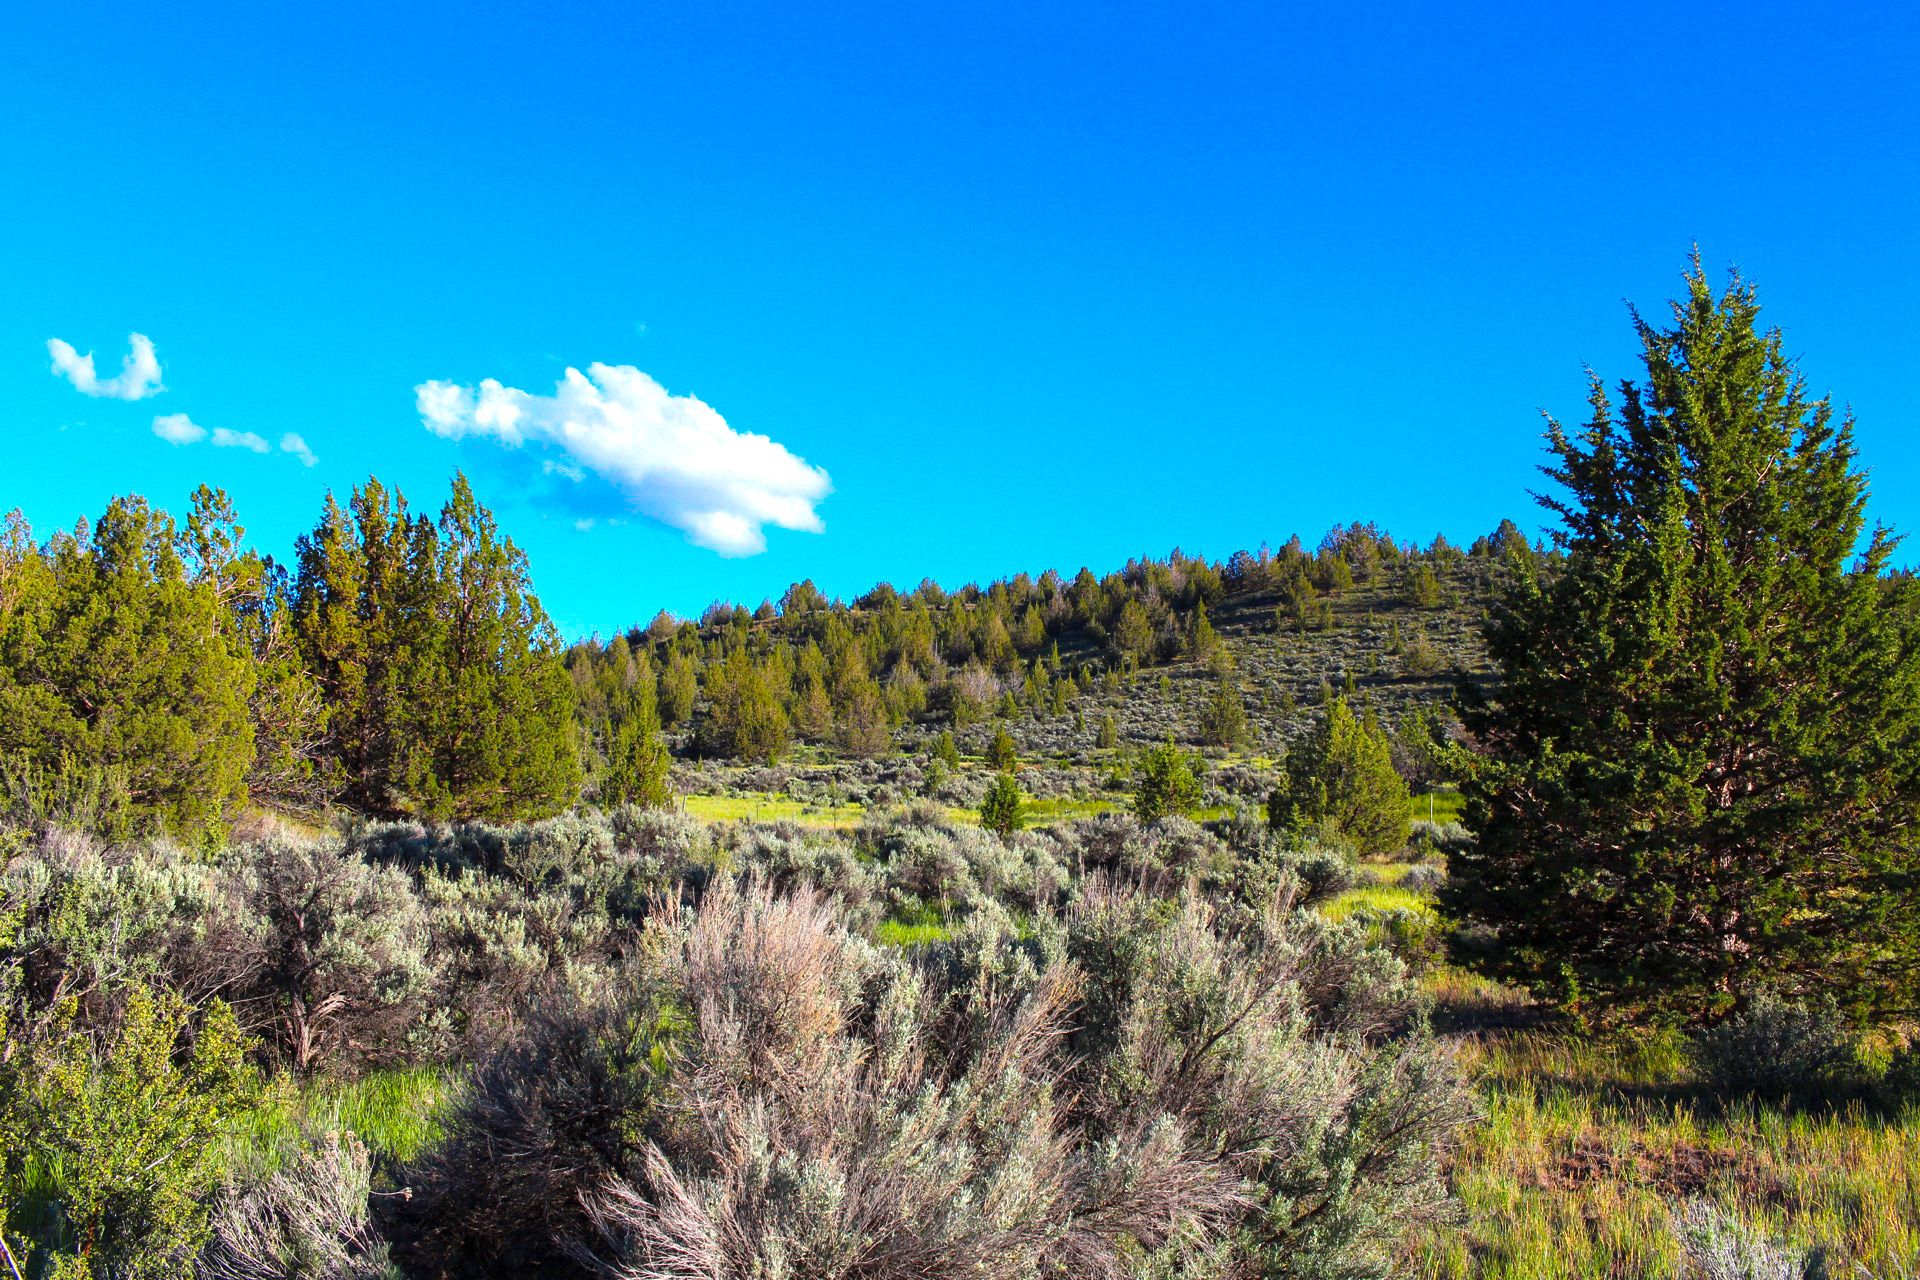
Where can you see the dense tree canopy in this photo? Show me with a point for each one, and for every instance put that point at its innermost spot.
(443, 673)
(115, 656)
(161, 676)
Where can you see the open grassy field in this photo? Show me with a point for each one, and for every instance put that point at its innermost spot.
(1588, 1149)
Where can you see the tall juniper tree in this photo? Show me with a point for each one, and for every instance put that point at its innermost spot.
(1700, 767)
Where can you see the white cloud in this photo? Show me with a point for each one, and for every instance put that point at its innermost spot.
(670, 457)
(225, 439)
(293, 444)
(139, 375)
(178, 428)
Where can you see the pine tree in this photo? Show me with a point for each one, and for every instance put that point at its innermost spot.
(1205, 639)
(1340, 784)
(946, 750)
(1701, 766)
(1001, 753)
(444, 676)
(744, 716)
(639, 767)
(1164, 785)
(1000, 812)
(1223, 720)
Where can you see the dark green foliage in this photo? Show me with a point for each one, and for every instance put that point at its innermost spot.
(1164, 784)
(1223, 720)
(744, 718)
(1701, 768)
(1000, 811)
(1340, 784)
(443, 675)
(638, 765)
(945, 750)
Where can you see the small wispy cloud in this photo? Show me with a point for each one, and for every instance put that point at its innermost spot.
(139, 375)
(293, 444)
(225, 439)
(670, 457)
(178, 428)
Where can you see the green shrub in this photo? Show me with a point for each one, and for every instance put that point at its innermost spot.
(113, 1153)
(1777, 1048)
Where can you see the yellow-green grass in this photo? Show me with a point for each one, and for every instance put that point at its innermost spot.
(764, 806)
(396, 1113)
(1587, 1148)
(1377, 897)
(1040, 812)
(767, 806)
(1441, 805)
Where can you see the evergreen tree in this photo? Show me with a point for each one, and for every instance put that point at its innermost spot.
(679, 689)
(744, 717)
(1340, 783)
(1223, 720)
(1001, 753)
(639, 767)
(443, 675)
(1001, 810)
(113, 656)
(1164, 785)
(1702, 763)
(1205, 639)
(946, 750)
(498, 720)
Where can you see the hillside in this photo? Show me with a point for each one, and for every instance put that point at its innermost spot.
(835, 703)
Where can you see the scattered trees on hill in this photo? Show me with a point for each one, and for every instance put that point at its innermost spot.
(1702, 762)
(848, 675)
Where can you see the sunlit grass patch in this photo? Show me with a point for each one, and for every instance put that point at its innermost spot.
(1377, 897)
(394, 1112)
(1589, 1146)
(1440, 805)
(1040, 812)
(914, 928)
(764, 806)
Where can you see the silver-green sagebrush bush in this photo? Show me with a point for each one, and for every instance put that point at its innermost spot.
(307, 1220)
(1146, 1087)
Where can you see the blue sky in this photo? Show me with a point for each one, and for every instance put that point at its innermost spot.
(1034, 285)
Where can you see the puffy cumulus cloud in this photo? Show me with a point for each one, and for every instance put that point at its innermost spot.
(225, 439)
(293, 444)
(178, 428)
(670, 457)
(139, 375)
